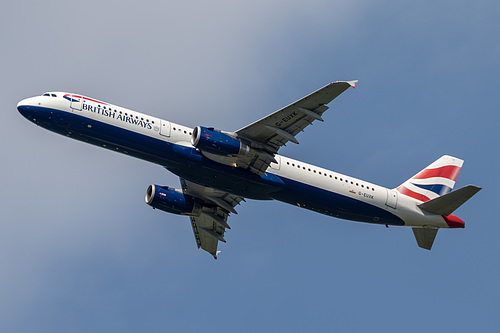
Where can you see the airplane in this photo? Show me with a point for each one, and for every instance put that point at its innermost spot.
(220, 169)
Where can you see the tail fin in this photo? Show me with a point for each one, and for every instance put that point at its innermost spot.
(433, 187)
(434, 181)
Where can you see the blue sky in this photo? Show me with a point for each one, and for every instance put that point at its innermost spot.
(80, 251)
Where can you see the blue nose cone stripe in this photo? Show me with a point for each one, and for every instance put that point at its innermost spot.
(24, 109)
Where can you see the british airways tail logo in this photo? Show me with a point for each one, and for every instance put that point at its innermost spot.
(431, 183)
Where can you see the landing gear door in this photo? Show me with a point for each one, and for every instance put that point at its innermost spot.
(392, 198)
(76, 102)
(165, 128)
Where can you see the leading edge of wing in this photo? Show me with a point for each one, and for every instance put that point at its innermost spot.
(319, 97)
(268, 134)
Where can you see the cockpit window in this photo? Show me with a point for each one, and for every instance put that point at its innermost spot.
(53, 95)
(49, 95)
(46, 94)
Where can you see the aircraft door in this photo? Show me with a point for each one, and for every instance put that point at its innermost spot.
(276, 166)
(392, 198)
(76, 102)
(164, 127)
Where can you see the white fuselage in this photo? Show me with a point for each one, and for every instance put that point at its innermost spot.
(300, 183)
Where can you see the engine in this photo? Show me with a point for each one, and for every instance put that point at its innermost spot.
(172, 201)
(216, 142)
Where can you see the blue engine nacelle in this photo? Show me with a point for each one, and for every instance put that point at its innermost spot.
(171, 201)
(215, 142)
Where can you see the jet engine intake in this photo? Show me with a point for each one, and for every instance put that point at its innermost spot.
(216, 142)
(172, 201)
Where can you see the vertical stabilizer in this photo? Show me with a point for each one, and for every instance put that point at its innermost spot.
(435, 180)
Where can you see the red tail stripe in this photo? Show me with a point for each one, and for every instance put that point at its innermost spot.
(414, 195)
(449, 171)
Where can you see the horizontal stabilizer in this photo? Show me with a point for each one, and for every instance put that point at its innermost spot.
(446, 204)
(425, 237)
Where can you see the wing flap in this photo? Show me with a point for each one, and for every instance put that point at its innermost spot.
(277, 129)
(211, 223)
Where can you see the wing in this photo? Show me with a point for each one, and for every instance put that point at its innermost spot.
(209, 227)
(268, 134)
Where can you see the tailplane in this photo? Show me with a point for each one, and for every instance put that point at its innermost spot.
(446, 204)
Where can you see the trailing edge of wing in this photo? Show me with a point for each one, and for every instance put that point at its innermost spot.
(211, 223)
(275, 130)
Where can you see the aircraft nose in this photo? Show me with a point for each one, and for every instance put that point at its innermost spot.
(26, 107)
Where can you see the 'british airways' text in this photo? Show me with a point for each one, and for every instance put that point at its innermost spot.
(111, 114)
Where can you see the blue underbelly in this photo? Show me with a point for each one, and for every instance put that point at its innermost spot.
(333, 204)
(188, 163)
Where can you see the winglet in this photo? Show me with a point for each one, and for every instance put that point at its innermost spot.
(216, 254)
(351, 83)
